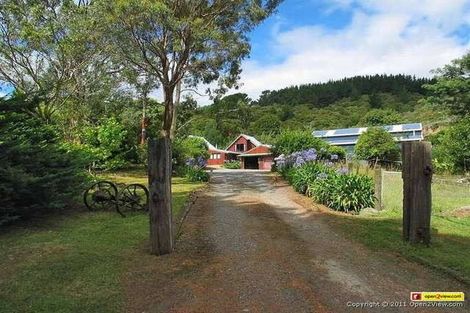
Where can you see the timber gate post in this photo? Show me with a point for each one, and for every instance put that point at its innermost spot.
(159, 175)
(417, 200)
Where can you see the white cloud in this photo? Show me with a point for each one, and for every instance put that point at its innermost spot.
(390, 36)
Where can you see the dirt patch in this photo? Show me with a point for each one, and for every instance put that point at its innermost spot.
(461, 212)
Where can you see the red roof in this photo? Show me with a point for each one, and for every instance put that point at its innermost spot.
(258, 150)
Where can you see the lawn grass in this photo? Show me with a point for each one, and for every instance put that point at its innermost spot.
(450, 246)
(74, 263)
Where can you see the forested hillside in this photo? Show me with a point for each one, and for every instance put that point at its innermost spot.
(356, 101)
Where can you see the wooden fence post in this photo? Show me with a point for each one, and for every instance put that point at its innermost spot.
(378, 177)
(159, 175)
(417, 177)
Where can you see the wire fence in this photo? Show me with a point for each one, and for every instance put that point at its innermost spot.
(450, 194)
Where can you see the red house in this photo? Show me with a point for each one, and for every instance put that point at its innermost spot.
(217, 156)
(259, 158)
(251, 153)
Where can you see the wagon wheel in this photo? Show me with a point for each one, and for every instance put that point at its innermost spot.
(134, 198)
(101, 196)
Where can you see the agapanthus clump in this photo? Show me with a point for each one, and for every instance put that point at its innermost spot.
(190, 162)
(334, 157)
(281, 161)
(198, 162)
(342, 171)
(309, 155)
(201, 162)
(299, 161)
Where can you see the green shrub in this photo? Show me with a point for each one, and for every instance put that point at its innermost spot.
(451, 148)
(187, 148)
(196, 174)
(302, 177)
(289, 142)
(232, 164)
(37, 173)
(106, 143)
(377, 144)
(343, 192)
(339, 151)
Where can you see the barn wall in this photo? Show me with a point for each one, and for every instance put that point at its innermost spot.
(241, 140)
(218, 161)
(265, 162)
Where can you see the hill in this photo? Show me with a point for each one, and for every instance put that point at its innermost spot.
(349, 102)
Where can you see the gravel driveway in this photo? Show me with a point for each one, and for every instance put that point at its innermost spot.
(250, 245)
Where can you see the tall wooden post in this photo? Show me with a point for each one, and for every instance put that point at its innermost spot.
(417, 177)
(159, 173)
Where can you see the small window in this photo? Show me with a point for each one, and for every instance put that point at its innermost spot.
(218, 156)
(240, 147)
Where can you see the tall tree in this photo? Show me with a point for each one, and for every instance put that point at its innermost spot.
(43, 48)
(182, 42)
(452, 88)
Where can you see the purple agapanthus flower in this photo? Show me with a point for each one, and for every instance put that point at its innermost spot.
(190, 162)
(322, 176)
(299, 161)
(309, 155)
(201, 162)
(334, 157)
(281, 161)
(342, 171)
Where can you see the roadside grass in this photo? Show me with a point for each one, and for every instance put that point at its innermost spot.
(75, 263)
(450, 243)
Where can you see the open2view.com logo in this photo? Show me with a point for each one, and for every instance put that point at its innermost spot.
(437, 296)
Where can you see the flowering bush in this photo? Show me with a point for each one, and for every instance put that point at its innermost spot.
(327, 183)
(198, 162)
(303, 176)
(186, 150)
(195, 169)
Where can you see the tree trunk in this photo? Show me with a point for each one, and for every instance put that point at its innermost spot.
(143, 135)
(175, 108)
(160, 169)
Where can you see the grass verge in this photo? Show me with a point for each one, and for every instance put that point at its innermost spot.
(450, 246)
(74, 263)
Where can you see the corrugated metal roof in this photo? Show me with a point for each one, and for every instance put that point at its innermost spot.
(210, 146)
(343, 132)
(260, 150)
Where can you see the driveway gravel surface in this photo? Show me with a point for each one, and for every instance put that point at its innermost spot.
(251, 244)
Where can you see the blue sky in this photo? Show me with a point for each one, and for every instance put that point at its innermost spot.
(310, 41)
(318, 40)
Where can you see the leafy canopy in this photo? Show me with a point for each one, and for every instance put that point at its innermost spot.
(452, 88)
(377, 143)
(189, 41)
(289, 142)
(451, 151)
